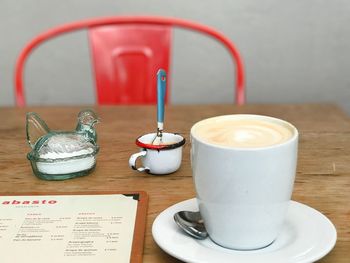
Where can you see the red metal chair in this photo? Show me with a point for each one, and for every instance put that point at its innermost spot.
(126, 53)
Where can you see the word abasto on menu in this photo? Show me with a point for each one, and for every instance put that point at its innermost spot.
(31, 202)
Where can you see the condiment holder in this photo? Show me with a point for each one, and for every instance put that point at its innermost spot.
(61, 155)
(158, 159)
(160, 152)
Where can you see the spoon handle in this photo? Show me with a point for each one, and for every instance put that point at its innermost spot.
(161, 89)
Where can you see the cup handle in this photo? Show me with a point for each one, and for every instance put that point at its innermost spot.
(132, 161)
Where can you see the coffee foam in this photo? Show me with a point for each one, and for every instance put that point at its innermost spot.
(242, 132)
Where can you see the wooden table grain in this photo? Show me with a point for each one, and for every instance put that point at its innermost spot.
(323, 173)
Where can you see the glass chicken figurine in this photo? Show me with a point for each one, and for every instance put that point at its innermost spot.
(60, 155)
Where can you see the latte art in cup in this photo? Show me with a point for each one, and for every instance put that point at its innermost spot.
(242, 132)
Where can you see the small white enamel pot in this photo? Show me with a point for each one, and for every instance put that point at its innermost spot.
(158, 159)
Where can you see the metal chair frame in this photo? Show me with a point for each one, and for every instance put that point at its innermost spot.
(135, 20)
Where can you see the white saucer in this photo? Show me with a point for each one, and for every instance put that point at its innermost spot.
(307, 236)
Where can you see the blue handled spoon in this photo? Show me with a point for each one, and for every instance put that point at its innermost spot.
(161, 89)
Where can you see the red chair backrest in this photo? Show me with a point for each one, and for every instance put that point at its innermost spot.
(126, 54)
(126, 60)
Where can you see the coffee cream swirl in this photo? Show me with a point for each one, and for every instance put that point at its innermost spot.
(242, 133)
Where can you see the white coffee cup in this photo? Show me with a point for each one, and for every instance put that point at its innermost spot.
(158, 159)
(243, 191)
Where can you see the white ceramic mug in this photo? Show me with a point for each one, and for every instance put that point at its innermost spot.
(158, 159)
(243, 193)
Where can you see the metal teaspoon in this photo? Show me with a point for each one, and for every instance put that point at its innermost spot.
(191, 223)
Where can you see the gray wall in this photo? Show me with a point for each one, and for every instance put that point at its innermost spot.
(294, 51)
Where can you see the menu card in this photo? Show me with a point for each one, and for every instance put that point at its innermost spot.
(68, 228)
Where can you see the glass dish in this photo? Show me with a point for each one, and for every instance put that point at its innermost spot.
(63, 168)
(61, 155)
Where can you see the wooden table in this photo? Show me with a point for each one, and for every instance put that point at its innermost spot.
(323, 174)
